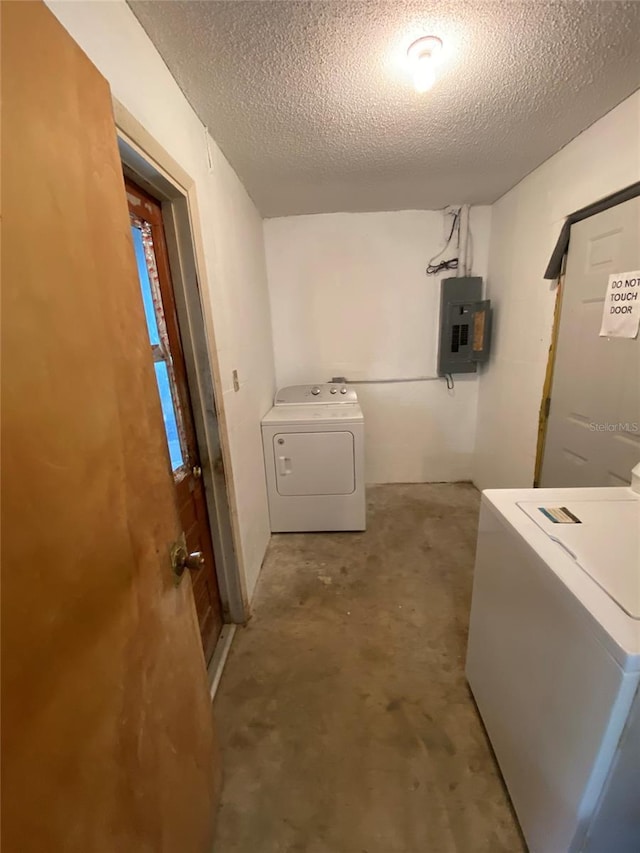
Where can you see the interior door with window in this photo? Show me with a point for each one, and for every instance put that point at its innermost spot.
(161, 317)
(593, 431)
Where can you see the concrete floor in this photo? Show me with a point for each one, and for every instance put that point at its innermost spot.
(344, 715)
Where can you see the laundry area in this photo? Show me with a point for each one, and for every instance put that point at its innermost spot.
(348, 688)
(321, 426)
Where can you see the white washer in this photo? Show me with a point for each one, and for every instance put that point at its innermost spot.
(554, 662)
(313, 442)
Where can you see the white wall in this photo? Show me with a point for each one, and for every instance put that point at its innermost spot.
(349, 297)
(233, 244)
(525, 226)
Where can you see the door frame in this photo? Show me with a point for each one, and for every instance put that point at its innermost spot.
(613, 200)
(150, 166)
(545, 405)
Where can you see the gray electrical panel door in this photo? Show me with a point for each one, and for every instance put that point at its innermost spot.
(465, 325)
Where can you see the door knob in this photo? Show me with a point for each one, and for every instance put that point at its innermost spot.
(197, 472)
(193, 561)
(182, 559)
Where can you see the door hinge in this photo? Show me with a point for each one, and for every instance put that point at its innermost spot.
(547, 407)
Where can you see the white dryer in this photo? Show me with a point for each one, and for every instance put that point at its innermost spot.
(313, 442)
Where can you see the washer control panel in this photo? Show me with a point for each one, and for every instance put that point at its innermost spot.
(329, 392)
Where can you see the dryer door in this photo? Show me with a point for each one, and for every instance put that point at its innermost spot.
(314, 463)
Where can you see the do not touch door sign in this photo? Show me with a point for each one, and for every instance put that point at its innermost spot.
(621, 311)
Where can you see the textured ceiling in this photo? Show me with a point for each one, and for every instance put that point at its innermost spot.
(313, 105)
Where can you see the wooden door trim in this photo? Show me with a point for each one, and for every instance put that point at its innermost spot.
(151, 167)
(543, 418)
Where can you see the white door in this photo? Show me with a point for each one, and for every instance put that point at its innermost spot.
(593, 432)
(314, 463)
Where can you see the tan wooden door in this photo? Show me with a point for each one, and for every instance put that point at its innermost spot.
(152, 258)
(107, 736)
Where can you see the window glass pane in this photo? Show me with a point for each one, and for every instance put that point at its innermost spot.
(169, 415)
(145, 285)
(142, 236)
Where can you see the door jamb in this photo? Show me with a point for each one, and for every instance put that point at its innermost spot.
(545, 405)
(156, 171)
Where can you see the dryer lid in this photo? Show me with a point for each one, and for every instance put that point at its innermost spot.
(324, 393)
(319, 416)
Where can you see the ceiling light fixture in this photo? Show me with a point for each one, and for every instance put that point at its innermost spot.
(423, 58)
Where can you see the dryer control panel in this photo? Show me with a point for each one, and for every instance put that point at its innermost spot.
(327, 392)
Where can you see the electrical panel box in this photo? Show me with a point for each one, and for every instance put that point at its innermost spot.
(465, 325)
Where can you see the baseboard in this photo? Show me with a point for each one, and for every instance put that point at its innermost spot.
(216, 667)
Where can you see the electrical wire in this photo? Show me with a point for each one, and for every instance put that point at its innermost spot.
(432, 269)
(451, 263)
(344, 380)
(391, 381)
(466, 237)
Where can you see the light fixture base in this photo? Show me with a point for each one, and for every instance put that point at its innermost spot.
(425, 47)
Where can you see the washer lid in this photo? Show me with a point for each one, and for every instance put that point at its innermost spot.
(329, 392)
(602, 536)
(618, 631)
